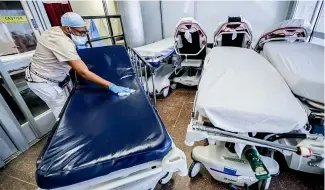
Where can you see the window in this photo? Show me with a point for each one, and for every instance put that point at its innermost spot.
(16, 34)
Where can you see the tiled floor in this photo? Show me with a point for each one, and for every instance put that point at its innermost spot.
(175, 111)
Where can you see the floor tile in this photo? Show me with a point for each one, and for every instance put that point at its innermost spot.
(10, 183)
(24, 166)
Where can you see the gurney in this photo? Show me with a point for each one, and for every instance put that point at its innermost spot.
(243, 107)
(191, 47)
(102, 141)
(158, 54)
(301, 64)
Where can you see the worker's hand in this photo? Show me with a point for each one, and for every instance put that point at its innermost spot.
(121, 91)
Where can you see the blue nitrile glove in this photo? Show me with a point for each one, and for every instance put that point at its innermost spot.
(121, 91)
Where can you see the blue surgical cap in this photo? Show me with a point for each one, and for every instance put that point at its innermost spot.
(72, 19)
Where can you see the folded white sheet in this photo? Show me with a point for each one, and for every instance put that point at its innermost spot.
(241, 91)
(301, 65)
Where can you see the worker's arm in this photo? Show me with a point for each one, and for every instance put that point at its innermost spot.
(80, 67)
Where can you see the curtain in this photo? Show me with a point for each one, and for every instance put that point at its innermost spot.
(55, 11)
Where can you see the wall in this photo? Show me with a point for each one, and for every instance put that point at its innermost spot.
(150, 11)
(173, 11)
(261, 14)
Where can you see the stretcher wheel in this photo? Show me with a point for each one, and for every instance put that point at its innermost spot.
(173, 86)
(166, 178)
(165, 92)
(194, 169)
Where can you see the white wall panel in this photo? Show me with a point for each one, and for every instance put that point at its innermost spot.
(150, 11)
(261, 14)
(173, 11)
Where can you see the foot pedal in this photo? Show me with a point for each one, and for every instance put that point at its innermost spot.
(257, 165)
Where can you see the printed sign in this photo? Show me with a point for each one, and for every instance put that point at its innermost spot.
(13, 19)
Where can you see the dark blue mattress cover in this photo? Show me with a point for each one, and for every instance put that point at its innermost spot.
(99, 132)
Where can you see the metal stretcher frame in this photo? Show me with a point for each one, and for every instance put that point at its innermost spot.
(142, 67)
(111, 36)
(143, 176)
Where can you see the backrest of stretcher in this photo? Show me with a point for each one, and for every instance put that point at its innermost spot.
(190, 39)
(236, 32)
(227, 38)
(192, 48)
(287, 30)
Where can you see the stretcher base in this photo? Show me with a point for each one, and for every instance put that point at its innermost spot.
(227, 167)
(187, 80)
(301, 163)
(196, 131)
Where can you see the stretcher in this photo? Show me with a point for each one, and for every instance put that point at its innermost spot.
(191, 47)
(246, 111)
(301, 65)
(159, 54)
(102, 141)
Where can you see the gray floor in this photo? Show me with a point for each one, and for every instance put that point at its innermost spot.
(175, 111)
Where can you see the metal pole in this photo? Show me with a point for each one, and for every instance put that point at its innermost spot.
(161, 20)
(153, 86)
(19, 99)
(291, 10)
(123, 31)
(108, 21)
(315, 18)
(146, 78)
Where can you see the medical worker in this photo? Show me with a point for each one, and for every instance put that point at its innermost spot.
(48, 73)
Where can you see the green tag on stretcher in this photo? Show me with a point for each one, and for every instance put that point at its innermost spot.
(256, 163)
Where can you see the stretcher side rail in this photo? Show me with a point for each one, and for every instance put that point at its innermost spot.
(142, 67)
(198, 130)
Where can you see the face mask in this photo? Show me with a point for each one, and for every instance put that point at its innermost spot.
(79, 40)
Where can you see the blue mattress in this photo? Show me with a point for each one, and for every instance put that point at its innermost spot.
(99, 132)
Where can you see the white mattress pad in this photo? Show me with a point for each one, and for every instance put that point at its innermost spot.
(240, 91)
(301, 65)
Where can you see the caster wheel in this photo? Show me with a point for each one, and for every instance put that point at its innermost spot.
(166, 178)
(173, 86)
(194, 169)
(165, 92)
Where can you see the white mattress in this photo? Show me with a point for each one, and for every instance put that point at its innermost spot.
(301, 65)
(240, 91)
(157, 49)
